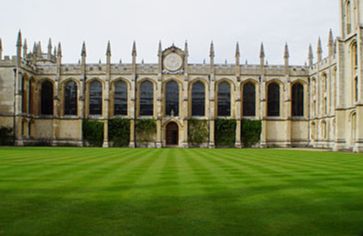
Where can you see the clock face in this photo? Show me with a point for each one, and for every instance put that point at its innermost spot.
(173, 62)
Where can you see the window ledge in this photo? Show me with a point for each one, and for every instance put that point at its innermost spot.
(99, 117)
(70, 117)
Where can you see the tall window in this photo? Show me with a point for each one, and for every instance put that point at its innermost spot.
(249, 99)
(24, 94)
(70, 98)
(297, 100)
(273, 103)
(30, 100)
(95, 98)
(198, 99)
(224, 99)
(354, 56)
(120, 98)
(172, 98)
(356, 89)
(47, 98)
(146, 99)
(323, 130)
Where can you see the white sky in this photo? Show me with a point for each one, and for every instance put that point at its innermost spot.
(147, 21)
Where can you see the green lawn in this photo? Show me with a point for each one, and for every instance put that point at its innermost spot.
(70, 191)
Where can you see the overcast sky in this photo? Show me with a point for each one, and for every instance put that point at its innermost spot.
(147, 21)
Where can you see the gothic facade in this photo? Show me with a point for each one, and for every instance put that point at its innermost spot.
(319, 104)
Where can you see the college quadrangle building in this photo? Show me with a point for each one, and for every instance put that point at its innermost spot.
(319, 104)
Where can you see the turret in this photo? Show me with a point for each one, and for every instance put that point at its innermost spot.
(34, 53)
(331, 43)
(34, 49)
(25, 49)
(39, 50)
(286, 57)
(19, 47)
(59, 54)
(211, 53)
(238, 54)
(108, 53)
(160, 49)
(49, 55)
(262, 56)
(134, 53)
(319, 51)
(311, 56)
(83, 54)
(186, 60)
(160, 54)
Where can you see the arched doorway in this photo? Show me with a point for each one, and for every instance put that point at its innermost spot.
(172, 134)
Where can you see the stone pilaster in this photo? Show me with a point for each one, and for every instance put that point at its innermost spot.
(237, 106)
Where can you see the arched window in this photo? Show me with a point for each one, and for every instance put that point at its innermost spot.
(273, 103)
(70, 98)
(249, 99)
(95, 98)
(47, 98)
(172, 99)
(146, 99)
(354, 55)
(297, 100)
(224, 99)
(120, 98)
(198, 99)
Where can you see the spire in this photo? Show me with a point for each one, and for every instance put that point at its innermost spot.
(186, 48)
(238, 54)
(160, 49)
(319, 50)
(311, 55)
(331, 43)
(211, 51)
(34, 48)
(286, 53)
(25, 48)
(55, 51)
(39, 49)
(108, 51)
(50, 46)
(19, 41)
(262, 51)
(134, 53)
(59, 53)
(49, 49)
(83, 52)
(19, 48)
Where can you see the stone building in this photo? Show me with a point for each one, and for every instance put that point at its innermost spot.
(319, 104)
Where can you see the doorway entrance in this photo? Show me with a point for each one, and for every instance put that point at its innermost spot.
(172, 134)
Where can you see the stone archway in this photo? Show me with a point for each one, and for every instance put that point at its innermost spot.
(172, 134)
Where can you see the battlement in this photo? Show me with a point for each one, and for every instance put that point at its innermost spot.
(8, 61)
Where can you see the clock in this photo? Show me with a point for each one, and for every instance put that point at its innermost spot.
(173, 62)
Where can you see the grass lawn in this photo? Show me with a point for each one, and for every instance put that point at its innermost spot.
(71, 191)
